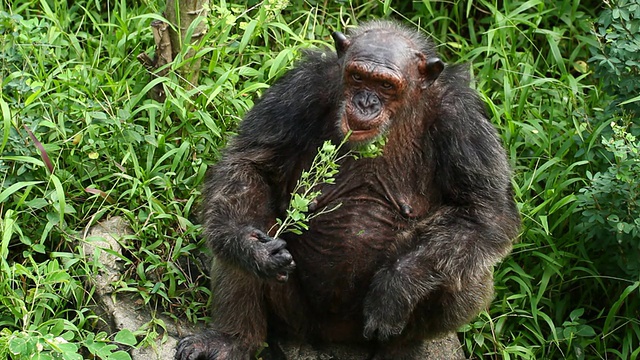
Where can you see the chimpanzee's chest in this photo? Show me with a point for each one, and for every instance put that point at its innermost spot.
(337, 257)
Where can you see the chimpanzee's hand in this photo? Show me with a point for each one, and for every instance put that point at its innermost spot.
(393, 295)
(270, 258)
(386, 312)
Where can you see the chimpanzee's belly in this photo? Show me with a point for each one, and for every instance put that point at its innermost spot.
(342, 250)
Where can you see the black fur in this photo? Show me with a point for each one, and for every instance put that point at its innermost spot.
(409, 254)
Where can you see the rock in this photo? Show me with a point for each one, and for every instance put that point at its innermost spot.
(162, 351)
(101, 237)
(119, 311)
(447, 348)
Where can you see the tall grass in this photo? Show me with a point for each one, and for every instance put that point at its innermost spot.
(83, 141)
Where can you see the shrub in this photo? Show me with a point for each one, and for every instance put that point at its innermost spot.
(617, 58)
(609, 202)
(610, 205)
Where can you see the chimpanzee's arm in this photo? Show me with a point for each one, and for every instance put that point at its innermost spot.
(244, 189)
(456, 246)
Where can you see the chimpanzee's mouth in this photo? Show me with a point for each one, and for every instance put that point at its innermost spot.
(360, 131)
(363, 135)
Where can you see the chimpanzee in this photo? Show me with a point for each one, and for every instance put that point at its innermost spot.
(409, 253)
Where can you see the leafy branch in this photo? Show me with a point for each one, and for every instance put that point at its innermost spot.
(323, 170)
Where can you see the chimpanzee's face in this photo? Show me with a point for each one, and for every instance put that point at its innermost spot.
(381, 74)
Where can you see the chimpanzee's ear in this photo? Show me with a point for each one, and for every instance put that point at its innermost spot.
(342, 43)
(429, 68)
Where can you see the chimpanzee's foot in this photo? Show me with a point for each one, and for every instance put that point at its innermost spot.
(211, 345)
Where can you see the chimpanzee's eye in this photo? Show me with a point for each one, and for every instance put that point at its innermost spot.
(356, 77)
(387, 85)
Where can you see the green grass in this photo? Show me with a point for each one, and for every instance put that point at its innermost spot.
(103, 148)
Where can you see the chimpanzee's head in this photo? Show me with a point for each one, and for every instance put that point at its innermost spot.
(385, 69)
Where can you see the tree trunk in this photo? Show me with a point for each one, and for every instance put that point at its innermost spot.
(171, 39)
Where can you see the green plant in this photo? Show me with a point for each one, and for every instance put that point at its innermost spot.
(36, 320)
(324, 167)
(372, 149)
(610, 204)
(617, 56)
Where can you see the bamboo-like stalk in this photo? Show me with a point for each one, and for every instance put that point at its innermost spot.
(171, 37)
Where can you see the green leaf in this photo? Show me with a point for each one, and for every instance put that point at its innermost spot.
(15, 187)
(299, 203)
(42, 356)
(126, 337)
(37, 203)
(18, 345)
(57, 327)
(248, 34)
(69, 351)
(296, 216)
(280, 62)
(328, 147)
(59, 276)
(478, 338)
(575, 314)
(585, 331)
(119, 355)
(6, 121)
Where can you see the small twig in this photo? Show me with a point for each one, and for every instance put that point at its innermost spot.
(323, 169)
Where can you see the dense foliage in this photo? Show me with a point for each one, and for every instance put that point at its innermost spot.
(82, 141)
(611, 199)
